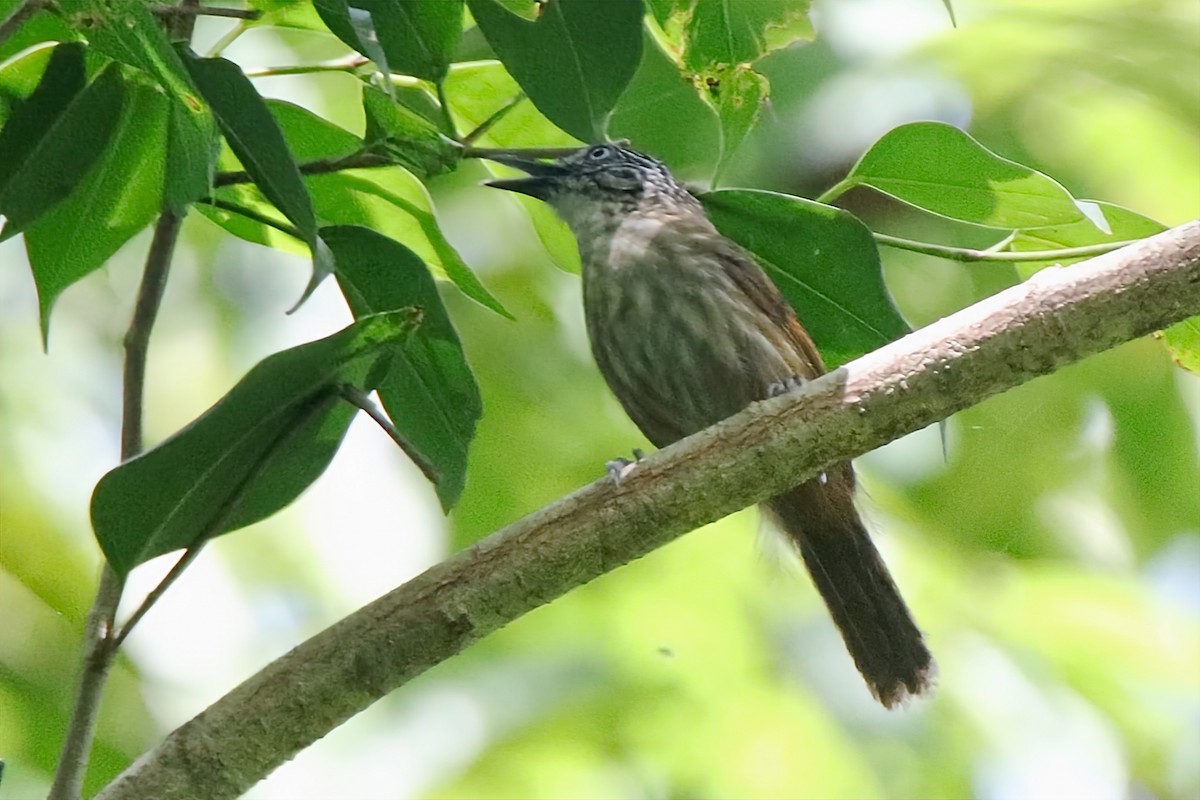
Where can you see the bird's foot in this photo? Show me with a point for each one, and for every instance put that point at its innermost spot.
(619, 468)
(783, 387)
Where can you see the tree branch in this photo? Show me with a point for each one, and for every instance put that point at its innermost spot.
(99, 644)
(1058, 317)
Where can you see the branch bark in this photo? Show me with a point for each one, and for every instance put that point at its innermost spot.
(1058, 317)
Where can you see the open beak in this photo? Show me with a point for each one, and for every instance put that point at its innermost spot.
(541, 183)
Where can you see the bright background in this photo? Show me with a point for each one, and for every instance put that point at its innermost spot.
(1052, 556)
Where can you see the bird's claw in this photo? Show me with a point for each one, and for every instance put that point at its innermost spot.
(783, 387)
(619, 468)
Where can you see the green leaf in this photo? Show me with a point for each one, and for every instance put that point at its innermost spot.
(660, 103)
(738, 95)
(258, 143)
(310, 137)
(823, 260)
(60, 83)
(725, 33)
(429, 391)
(1182, 341)
(479, 89)
(574, 61)
(249, 455)
(65, 153)
(939, 168)
(127, 31)
(119, 197)
(406, 136)
(1123, 224)
(410, 37)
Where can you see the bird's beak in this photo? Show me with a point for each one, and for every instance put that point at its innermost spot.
(542, 181)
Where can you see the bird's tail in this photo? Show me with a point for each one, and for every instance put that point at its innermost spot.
(820, 519)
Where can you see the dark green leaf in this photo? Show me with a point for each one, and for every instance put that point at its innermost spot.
(429, 391)
(574, 61)
(119, 197)
(65, 154)
(411, 37)
(409, 138)
(258, 143)
(823, 260)
(725, 33)
(63, 79)
(939, 168)
(249, 455)
(355, 27)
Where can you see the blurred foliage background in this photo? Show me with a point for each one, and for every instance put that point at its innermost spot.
(1052, 554)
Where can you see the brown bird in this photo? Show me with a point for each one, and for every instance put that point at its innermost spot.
(687, 329)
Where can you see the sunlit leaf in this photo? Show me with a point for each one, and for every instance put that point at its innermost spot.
(939, 168)
(415, 37)
(1182, 341)
(406, 136)
(1123, 225)
(249, 455)
(573, 61)
(429, 391)
(823, 260)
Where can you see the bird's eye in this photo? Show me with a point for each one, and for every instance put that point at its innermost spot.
(599, 152)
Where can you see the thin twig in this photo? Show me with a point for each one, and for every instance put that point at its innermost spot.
(496, 116)
(20, 16)
(251, 214)
(171, 12)
(360, 160)
(229, 37)
(356, 396)
(347, 64)
(522, 152)
(444, 104)
(99, 646)
(969, 254)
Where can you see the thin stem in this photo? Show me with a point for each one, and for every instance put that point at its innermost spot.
(835, 191)
(229, 37)
(250, 213)
(526, 152)
(20, 16)
(170, 12)
(361, 160)
(99, 645)
(348, 64)
(500, 113)
(358, 397)
(444, 103)
(968, 254)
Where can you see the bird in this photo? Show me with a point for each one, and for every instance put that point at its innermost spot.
(687, 329)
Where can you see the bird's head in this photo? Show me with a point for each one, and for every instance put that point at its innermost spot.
(599, 178)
